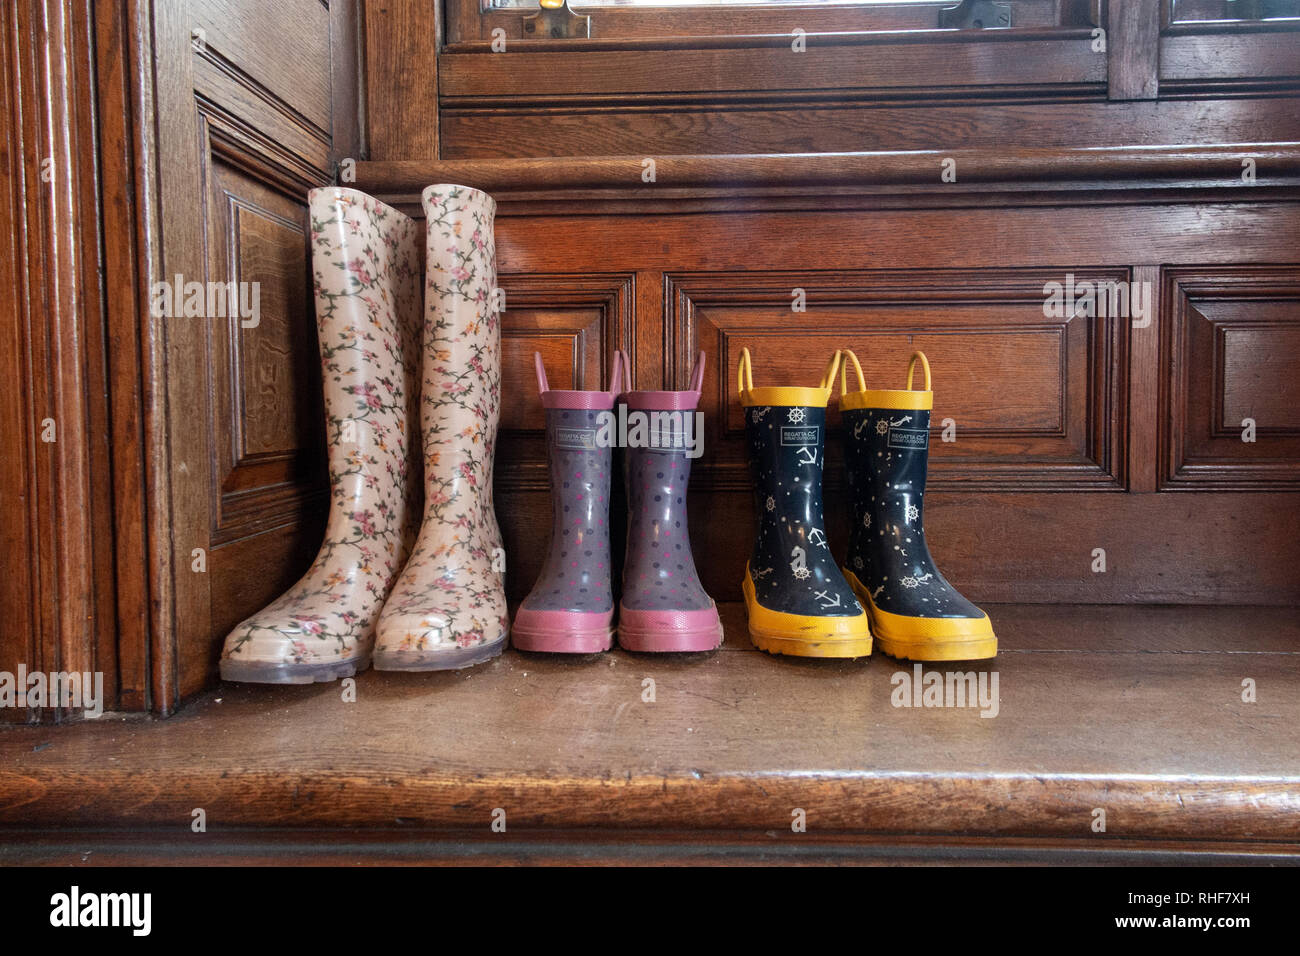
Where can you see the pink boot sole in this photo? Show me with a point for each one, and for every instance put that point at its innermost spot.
(669, 631)
(563, 632)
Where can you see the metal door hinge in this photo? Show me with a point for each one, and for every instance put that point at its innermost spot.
(556, 21)
(976, 15)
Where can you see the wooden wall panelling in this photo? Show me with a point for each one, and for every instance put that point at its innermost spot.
(1228, 355)
(584, 130)
(1052, 61)
(248, 129)
(268, 462)
(1238, 56)
(59, 599)
(1037, 400)
(1144, 385)
(122, 168)
(728, 274)
(21, 412)
(1133, 29)
(402, 45)
(1015, 177)
(278, 53)
(898, 239)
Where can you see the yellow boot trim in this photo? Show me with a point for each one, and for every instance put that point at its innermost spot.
(927, 638)
(890, 398)
(818, 397)
(802, 635)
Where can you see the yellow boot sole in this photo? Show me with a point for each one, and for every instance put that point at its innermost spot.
(799, 635)
(927, 638)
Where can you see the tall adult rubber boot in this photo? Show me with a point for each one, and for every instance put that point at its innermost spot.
(448, 608)
(663, 607)
(915, 613)
(570, 609)
(365, 258)
(798, 601)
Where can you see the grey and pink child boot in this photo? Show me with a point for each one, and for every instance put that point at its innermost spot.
(571, 607)
(663, 607)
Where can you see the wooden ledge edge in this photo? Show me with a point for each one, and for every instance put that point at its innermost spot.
(1191, 807)
(1274, 164)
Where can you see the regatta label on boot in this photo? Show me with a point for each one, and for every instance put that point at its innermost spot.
(581, 439)
(909, 438)
(799, 435)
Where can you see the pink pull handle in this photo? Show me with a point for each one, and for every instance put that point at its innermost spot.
(541, 373)
(697, 375)
(622, 370)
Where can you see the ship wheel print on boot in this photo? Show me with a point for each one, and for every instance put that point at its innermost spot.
(797, 600)
(915, 613)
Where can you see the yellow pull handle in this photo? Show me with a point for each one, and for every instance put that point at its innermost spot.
(911, 367)
(744, 373)
(833, 366)
(844, 373)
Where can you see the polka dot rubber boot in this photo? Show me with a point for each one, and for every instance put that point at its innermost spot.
(915, 613)
(797, 600)
(663, 607)
(570, 609)
(366, 276)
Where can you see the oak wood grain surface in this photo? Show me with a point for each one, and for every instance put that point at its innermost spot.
(1135, 711)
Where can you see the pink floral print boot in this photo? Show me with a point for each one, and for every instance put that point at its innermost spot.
(570, 609)
(448, 608)
(365, 260)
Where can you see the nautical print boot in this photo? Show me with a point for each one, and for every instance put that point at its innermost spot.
(915, 613)
(664, 607)
(798, 601)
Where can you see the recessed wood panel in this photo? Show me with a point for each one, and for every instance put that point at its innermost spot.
(1259, 370)
(267, 405)
(1035, 398)
(275, 356)
(1230, 389)
(575, 322)
(279, 48)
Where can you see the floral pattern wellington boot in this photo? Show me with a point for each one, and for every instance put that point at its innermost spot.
(664, 607)
(570, 609)
(365, 259)
(915, 613)
(448, 608)
(797, 600)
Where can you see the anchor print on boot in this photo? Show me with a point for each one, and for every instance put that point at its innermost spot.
(797, 600)
(915, 613)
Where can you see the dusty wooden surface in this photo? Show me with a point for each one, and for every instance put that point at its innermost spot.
(1137, 711)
